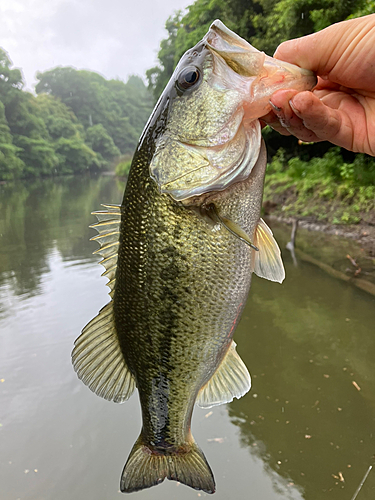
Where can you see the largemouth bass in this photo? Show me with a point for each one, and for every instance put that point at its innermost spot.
(180, 251)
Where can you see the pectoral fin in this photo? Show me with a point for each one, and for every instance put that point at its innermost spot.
(230, 226)
(267, 263)
(230, 380)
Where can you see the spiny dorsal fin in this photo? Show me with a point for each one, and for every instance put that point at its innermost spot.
(98, 359)
(108, 227)
(267, 263)
(231, 380)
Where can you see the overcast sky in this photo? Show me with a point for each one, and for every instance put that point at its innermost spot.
(116, 38)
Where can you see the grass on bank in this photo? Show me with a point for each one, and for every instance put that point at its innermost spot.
(326, 189)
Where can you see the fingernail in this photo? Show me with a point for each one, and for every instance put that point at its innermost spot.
(285, 123)
(280, 115)
(293, 107)
(276, 108)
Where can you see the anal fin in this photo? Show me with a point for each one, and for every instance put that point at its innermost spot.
(230, 380)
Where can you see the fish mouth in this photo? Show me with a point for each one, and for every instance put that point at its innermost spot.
(239, 55)
(247, 61)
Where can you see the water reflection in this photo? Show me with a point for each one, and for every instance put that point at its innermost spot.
(306, 417)
(39, 216)
(305, 342)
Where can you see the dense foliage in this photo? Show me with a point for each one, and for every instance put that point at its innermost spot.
(265, 24)
(78, 121)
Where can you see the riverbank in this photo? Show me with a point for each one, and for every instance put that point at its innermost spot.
(363, 234)
(326, 193)
(344, 252)
(322, 202)
(336, 218)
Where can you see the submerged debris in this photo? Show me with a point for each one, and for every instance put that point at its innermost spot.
(356, 385)
(362, 483)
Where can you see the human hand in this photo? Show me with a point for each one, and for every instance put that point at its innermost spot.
(341, 108)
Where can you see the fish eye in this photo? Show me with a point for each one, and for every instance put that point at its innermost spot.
(188, 77)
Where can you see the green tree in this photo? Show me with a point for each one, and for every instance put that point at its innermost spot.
(281, 20)
(99, 140)
(58, 118)
(9, 78)
(67, 138)
(11, 165)
(76, 157)
(78, 121)
(367, 7)
(121, 108)
(30, 139)
(76, 89)
(37, 155)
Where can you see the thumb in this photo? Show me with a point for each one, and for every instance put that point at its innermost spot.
(344, 51)
(300, 51)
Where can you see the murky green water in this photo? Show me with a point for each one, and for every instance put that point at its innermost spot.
(304, 431)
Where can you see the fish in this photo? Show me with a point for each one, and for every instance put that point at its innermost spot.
(179, 253)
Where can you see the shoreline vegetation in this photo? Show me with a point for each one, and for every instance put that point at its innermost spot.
(78, 121)
(324, 190)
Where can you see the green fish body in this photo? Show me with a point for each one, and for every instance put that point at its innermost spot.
(179, 253)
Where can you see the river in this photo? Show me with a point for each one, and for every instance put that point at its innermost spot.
(305, 431)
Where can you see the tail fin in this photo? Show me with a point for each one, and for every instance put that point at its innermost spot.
(146, 467)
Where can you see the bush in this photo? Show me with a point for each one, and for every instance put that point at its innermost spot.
(123, 168)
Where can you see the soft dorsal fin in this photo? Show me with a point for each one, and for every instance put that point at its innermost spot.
(97, 356)
(230, 380)
(98, 359)
(267, 263)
